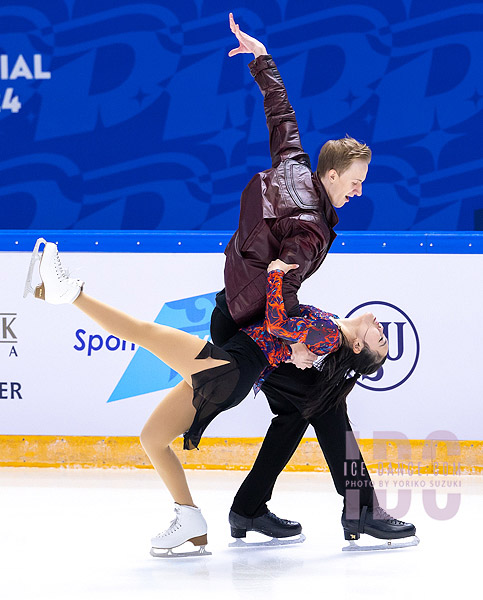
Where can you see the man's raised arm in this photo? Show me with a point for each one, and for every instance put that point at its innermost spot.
(282, 124)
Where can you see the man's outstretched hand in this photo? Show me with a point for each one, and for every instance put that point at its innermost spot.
(248, 44)
(301, 356)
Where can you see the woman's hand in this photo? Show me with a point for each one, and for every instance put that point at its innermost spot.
(248, 44)
(279, 265)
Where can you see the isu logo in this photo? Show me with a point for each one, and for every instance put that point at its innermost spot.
(403, 342)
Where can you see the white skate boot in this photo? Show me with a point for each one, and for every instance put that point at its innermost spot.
(188, 526)
(56, 286)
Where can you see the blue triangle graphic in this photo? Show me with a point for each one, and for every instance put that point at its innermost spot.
(146, 373)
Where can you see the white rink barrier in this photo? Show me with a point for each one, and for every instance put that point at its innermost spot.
(62, 375)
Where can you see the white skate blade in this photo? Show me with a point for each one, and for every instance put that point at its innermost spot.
(241, 543)
(36, 256)
(387, 545)
(170, 552)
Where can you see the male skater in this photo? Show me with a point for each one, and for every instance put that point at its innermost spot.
(288, 212)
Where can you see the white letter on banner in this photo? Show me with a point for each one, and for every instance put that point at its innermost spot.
(21, 69)
(3, 66)
(38, 73)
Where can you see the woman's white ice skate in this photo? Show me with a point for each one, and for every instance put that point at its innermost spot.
(188, 526)
(56, 287)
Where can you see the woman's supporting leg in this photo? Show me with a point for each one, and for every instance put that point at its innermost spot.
(176, 348)
(170, 419)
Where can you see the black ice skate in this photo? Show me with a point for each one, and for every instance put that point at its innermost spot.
(377, 523)
(281, 531)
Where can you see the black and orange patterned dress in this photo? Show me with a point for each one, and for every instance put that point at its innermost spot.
(255, 351)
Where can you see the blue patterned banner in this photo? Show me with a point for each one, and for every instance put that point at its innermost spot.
(125, 115)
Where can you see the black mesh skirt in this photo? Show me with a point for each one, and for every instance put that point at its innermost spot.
(223, 387)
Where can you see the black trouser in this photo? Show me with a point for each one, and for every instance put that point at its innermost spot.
(285, 390)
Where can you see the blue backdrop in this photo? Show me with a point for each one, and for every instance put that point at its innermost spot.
(118, 114)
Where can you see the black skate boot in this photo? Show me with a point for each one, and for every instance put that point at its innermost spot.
(268, 524)
(377, 523)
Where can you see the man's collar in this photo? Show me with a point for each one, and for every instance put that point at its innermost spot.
(326, 205)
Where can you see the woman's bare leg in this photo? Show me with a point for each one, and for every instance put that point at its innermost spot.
(176, 348)
(175, 413)
(170, 419)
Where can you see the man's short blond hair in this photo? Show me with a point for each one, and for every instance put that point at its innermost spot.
(340, 154)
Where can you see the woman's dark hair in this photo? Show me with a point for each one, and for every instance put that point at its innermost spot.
(338, 373)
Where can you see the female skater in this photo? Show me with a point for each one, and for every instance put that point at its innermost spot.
(215, 379)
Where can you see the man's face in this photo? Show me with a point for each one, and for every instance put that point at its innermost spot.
(341, 188)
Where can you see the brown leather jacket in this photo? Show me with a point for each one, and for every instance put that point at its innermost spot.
(285, 212)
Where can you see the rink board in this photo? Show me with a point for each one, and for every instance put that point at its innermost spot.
(63, 376)
(383, 456)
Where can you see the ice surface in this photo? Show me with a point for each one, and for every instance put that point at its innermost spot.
(73, 533)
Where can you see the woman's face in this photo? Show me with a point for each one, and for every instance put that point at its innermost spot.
(372, 334)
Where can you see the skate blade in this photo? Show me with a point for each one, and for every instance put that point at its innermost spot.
(36, 256)
(240, 543)
(387, 545)
(170, 552)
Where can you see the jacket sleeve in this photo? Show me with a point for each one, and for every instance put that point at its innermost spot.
(281, 122)
(302, 244)
(323, 332)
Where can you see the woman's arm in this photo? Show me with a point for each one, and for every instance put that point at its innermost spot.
(291, 329)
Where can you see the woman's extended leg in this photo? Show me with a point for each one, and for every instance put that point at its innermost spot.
(176, 348)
